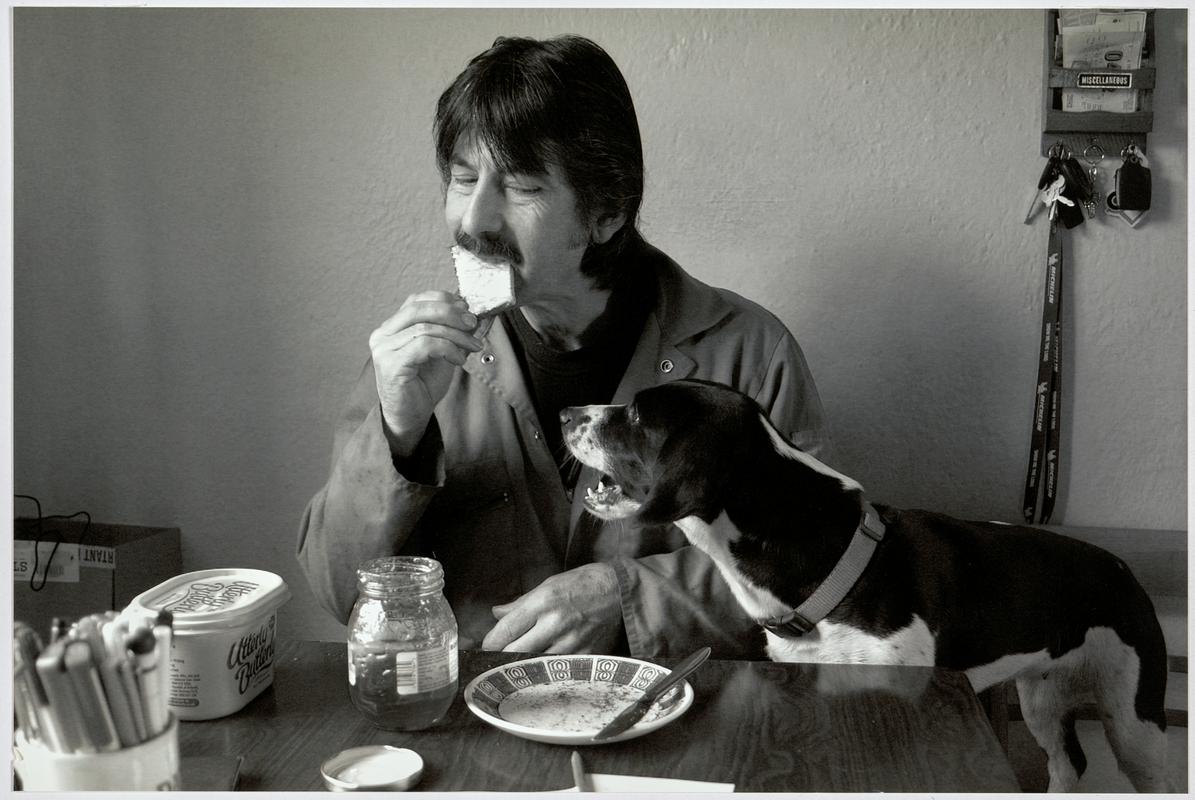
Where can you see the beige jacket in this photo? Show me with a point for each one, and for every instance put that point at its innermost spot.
(497, 515)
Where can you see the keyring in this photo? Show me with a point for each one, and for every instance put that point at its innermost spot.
(1095, 157)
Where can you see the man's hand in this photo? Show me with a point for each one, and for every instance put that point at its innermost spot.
(574, 612)
(415, 353)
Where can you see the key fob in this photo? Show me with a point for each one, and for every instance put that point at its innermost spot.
(1071, 216)
(1133, 187)
(1079, 185)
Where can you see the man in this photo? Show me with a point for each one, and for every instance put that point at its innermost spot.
(450, 445)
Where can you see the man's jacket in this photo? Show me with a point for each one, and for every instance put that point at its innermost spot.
(497, 515)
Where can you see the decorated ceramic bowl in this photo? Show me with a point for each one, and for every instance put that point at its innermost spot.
(567, 699)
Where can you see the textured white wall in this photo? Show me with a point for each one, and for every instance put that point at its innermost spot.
(214, 208)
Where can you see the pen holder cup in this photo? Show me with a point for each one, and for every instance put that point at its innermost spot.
(151, 765)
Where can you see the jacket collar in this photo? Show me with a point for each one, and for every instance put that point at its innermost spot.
(684, 308)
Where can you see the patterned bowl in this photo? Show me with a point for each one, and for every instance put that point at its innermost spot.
(567, 699)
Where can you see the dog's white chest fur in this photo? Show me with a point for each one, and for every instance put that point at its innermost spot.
(834, 643)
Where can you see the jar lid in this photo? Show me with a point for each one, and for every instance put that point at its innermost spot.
(212, 599)
(373, 768)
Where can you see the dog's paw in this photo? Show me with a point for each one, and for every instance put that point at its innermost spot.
(609, 502)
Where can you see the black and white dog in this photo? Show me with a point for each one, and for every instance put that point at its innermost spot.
(834, 579)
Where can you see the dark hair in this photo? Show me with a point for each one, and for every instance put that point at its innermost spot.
(560, 101)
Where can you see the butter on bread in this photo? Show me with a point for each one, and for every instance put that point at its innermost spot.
(486, 287)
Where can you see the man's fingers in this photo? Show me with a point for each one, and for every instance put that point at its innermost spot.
(536, 640)
(422, 341)
(510, 627)
(437, 307)
(545, 636)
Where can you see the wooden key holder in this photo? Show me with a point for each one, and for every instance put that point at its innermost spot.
(1110, 131)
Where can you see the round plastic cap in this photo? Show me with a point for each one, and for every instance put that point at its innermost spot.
(375, 768)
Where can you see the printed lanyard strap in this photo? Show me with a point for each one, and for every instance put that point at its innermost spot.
(1044, 446)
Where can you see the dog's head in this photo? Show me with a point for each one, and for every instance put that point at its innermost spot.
(669, 454)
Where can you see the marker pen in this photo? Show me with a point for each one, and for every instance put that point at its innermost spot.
(63, 705)
(98, 727)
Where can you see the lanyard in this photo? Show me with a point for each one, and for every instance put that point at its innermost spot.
(1045, 445)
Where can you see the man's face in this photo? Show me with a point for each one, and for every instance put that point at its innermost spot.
(530, 220)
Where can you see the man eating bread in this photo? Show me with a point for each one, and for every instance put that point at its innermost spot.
(450, 443)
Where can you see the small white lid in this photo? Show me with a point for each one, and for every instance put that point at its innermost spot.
(213, 599)
(380, 767)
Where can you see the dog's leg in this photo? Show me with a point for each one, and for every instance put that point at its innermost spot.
(1140, 749)
(1139, 745)
(1119, 679)
(1047, 707)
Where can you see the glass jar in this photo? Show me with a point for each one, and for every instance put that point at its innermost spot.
(402, 644)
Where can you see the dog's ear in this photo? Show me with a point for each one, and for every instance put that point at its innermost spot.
(684, 484)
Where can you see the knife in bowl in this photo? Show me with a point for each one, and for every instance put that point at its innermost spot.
(635, 711)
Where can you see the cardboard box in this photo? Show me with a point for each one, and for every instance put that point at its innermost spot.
(95, 568)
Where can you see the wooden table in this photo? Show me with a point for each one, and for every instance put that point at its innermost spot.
(763, 727)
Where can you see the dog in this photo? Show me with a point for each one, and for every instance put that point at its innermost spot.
(1065, 619)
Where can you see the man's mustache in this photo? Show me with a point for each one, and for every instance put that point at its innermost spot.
(489, 248)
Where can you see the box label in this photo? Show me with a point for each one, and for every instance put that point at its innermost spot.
(45, 564)
(97, 557)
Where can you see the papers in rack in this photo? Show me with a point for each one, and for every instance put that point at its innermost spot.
(1103, 41)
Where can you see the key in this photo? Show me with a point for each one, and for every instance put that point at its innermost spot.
(1077, 189)
(1053, 197)
(1078, 180)
(1091, 204)
(1048, 175)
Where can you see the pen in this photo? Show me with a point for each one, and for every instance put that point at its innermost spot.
(163, 636)
(119, 702)
(88, 629)
(142, 644)
(579, 776)
(27, 647)
(126, 670)
(58, 629)
(63, 706)
(98, 727)
(113, 633)
(24, 700)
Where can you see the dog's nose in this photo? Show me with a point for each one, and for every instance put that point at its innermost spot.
(566, 417)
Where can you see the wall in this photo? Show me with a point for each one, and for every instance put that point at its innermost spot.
(214, 208)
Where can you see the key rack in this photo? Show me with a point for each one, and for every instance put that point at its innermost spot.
(1109, 130)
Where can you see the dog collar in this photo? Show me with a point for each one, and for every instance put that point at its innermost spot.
(837, 584)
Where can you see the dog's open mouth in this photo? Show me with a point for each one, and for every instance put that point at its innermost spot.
(608, 501)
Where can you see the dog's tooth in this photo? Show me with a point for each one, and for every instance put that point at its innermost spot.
(601, 486)
(590, 493)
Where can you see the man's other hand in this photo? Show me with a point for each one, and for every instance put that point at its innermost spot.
(573, 612)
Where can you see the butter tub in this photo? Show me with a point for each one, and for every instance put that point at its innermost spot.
(222, 648)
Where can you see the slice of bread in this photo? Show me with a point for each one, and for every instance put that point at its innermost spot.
(486, 287)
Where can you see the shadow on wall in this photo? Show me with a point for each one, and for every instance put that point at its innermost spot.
(937, 369)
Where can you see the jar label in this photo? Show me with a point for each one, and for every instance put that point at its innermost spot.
(426, 670)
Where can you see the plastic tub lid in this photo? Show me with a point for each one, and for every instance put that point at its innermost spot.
(374, 768)
(213, 599)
